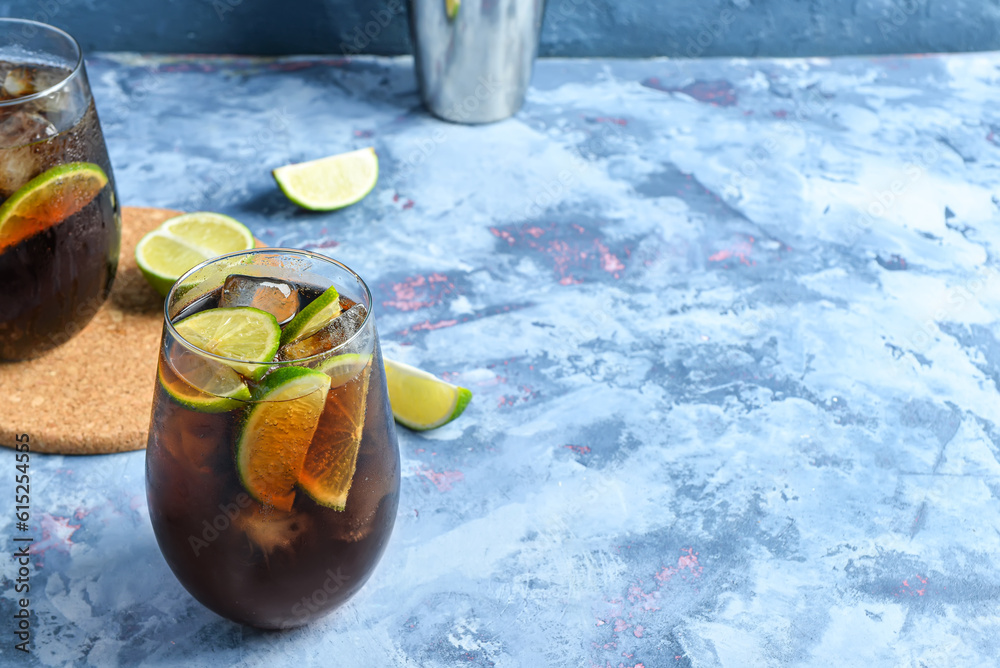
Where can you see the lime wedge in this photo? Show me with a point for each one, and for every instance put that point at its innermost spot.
(241, 333)
(313, 318)
(329, 183)
(421, 401)
(333, 456)
(186, 240)
(200, 383)
(451, 7)
(49, 198)
(275, 439)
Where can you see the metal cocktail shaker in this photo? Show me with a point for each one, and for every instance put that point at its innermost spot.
(474, 58)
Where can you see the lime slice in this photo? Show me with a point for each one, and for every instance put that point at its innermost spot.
(333, 456)
(342, 368)
(49, 198)
(275, 439)
(451, 7)
(186, 240)
(202, 384)
(421, 401)
(241, 333)
(313, 318)
(329, 183)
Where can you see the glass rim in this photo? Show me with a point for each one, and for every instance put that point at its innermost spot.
(77, 67)
(260, 251)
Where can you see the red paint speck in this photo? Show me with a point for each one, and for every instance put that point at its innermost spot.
(428, 326)
(569, 255)
(579, 449)
(741, 250)
(687, 566)
(503, 234)
(609, 262)
(917, 588)
(328, 243)
(417, 292)
(638, 631)
(57, 534)
(408, 205)
(443, 480)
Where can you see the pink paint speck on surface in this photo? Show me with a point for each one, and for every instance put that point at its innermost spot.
(417, 292)
(579, 449)
(609, 262)
(569, 255)
(915, 586)
(57, 534)
(687, 566)
(443, 480)
(428, 326)
(741, 250)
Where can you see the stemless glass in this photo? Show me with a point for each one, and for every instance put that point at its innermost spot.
(267, 561)
(60, 228)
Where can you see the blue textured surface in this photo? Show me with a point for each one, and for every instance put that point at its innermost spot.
(731, 329)
(618, 28)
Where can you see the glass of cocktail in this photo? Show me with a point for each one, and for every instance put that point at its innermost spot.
(60, 227)
(272, 467)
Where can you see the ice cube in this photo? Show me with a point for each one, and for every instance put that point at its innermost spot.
(19, 161)
(269, 529)
(18, 82)
(340, 329)
(278, 298)
(18, 128)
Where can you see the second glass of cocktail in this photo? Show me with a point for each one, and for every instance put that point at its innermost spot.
(60, 226)
(272, 468)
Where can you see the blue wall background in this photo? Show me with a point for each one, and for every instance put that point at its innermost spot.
(572, 27)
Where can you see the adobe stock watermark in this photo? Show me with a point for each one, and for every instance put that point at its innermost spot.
(365, 35)
(46, 11)
(221, 178)
(566, 179)
(428, 146)
(925, 333)
(711, 31)
(814, 104)
(315, 602)
(211, 530)
(884, 201)
(139, 93)
(897, 15)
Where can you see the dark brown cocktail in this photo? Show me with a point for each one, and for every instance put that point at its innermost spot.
(272, 484)
(60, 227)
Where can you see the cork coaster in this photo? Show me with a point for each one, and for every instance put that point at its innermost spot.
(93, 394)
